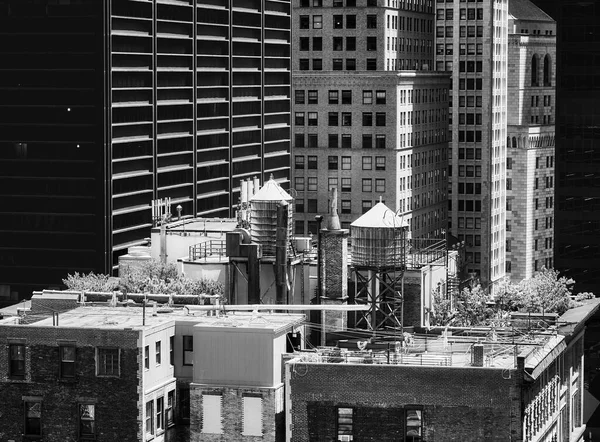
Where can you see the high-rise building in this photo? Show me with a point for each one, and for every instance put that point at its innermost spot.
(577, 223)
(363, 122)
(471, 42)
(531, 140)
(109, 105)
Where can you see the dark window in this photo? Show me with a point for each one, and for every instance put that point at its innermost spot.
(312, 208)
(338, 43)
(87, 421)
(332, 118)
(317, 43)
(534, 69)
(338, 22)
(312, 161)
(346, 141)
(380, 97)
(350, 64)
(346, 206)
(333, 141)
(380, 141)
(332, 162)
(158, 352)
(188, 341)
(169, 410)
(371, 43)
(299, 118)
(147, 357)
(350, 43)
(313, 140)
(346, 119)
(547, 71)
(304, 22)
(312, 118)
(333, 97)
(172, 350)
(317, 64)
(371, 21)
(367, 119)
(338, 64)
(346, 97)
(304, 64)
(380, 119)
(299, 96)
(371, 64)
(304, 43)
(67, 361)
(108, 362)
(351, 22)
(367, 141)
(17, 361)
(33, 418)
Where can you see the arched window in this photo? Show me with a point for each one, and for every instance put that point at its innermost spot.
(535, 62)
(514, 142)
(547, 70)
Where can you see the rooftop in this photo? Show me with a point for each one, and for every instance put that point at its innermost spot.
(132, 318)
(526, 10)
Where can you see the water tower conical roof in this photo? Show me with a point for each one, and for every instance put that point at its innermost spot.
(380, 216)
(271, 191)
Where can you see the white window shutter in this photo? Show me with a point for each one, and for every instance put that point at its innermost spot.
(252, 416)
(212, 418)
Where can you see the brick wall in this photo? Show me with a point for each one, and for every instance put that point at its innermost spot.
(459, 404)
(118, 414)
(232, 413)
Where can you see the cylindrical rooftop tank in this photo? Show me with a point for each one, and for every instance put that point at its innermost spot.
(263, 216)
(378, 238)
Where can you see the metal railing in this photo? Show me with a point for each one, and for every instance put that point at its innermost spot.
(208, 249)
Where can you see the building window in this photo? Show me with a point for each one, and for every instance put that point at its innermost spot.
(367, 97)
(67, 361)
(33, 418)
(312, 208)
(304, 22)
(380, 141)
(299, 96)
(160, 413)
(346, 119)
(16, 355)
(346, 206)
(331, 183)
(312, 184)
(338, 43)
(367, 119)
(299, 206)
(169, 409)
(108, 361)
(317, 21)
(367, 185)
(312, 162)
(338, 64)
(346, 141)
(87, 421)
(350, 21)
(346, 97)
(350, 64)
(379, 163)
(367, 163)
(299, 162)
(172, 350)
(380, 185)
(414, 425)
(299, 118)
(547, 71)
(312, 118)
(304, 43)
(332, 162)
(150, 417)
(317, 43)
(371, 43)
(371, 21)
(147, 357)
(252, 416)
(332, 119)
(535, 61)
(367, 141)
(366, 206)
(157, 352)
(188, 347)
(332, 141)
(380, 97)
(317, 64)
(346, 185)
(313, 140)
(304, 64)
(346, 163)
(333, 97)
(345, 424)
(350, 43)
(371, 64)
(380, 119)
(313, 97)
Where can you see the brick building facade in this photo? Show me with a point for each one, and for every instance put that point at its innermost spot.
(531, 140)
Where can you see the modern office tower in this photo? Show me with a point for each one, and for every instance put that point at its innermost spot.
(577, 211)
(363, 125)
(109, 105)
(471, 42)
(531, 134)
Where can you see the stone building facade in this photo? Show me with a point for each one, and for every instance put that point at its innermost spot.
(531, 140)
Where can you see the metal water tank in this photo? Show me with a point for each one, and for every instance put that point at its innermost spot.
(263, 215)
(379, 238)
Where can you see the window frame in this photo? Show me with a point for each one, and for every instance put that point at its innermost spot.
(17, 370)
(188, 349)
(101, 365)
(63, 363)
(82, 434)
(27, 420)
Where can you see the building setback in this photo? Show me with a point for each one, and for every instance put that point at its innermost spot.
(531, 140)
(111, 105)
(577, 224)
(363, 123)
(471, 42)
